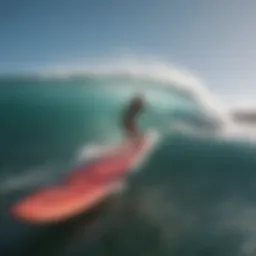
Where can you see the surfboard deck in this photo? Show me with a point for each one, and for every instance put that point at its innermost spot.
(86, 186)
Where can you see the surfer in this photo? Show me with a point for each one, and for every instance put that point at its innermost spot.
(129, 118)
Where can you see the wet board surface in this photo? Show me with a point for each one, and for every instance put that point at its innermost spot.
(86, 186)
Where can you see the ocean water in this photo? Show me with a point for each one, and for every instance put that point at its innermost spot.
(195, 195)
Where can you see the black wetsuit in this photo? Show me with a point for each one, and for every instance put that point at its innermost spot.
(129, 118)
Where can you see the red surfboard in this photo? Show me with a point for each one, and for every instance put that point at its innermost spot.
(86, 186)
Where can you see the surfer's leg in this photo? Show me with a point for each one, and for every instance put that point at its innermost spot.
(131, 130)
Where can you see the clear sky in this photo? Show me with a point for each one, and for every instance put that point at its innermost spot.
(216, 38)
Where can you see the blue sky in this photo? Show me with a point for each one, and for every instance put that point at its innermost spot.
(216, 38)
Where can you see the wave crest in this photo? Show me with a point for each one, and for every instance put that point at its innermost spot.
(149, 70)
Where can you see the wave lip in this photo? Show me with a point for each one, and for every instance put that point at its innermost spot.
(144, 73)
(149, 69)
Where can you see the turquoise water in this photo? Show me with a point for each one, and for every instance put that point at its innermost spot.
(194, 196)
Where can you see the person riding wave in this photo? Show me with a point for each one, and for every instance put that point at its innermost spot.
(129, 121)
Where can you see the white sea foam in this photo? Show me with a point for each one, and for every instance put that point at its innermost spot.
(27, 179)
(149, 68)
(167, 74)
